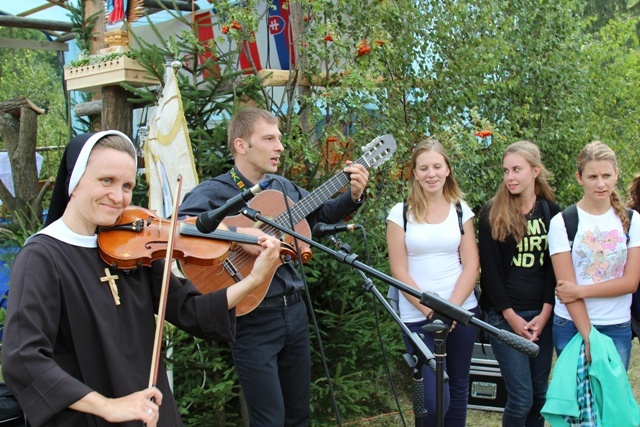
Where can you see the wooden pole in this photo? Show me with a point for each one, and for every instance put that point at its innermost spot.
(117, 111)
(91, 8)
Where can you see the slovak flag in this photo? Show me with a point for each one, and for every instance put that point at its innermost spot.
(273, 45)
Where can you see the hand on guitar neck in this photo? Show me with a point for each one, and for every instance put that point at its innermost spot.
(253, 250)
(358, 178)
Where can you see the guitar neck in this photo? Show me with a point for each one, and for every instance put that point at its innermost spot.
(317, 197)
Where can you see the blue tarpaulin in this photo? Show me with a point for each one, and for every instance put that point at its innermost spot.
(6, 256)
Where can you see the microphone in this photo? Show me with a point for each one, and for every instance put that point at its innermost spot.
(207, 222)
(321, 229)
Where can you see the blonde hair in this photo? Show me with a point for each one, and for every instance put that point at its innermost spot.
(505, 215)
(598, 151)
(417, 202)
(242, 124)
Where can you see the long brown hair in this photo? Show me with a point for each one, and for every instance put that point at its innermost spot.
(417, 202)
(505, 215)
(634, 193)
(595, 151)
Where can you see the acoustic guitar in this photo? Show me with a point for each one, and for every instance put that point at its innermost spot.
(270, 203)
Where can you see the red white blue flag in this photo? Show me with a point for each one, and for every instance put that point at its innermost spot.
(273, 45)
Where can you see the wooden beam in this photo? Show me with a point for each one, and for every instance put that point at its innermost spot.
(91, 108)
(271, 77)
(32, 44)
(65, 37)
(36, 9)
(181, 5)
(14, 106)
(61, 3)
(35, 24)
(278, 78)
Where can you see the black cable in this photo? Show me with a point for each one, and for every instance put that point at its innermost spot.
(379, 330)
(314, 320)
(346, 248)
(385, 359)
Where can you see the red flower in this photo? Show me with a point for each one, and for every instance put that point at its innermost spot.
(332, 139)
(328, 38)
(483, 133)
(364, 48)
(225, 29)
(236, 26)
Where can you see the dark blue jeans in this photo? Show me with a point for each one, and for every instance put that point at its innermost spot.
(564, 330)
(526, 378)
(459, 346)
(272, 358)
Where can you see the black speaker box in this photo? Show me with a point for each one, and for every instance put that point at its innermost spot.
(486, 386)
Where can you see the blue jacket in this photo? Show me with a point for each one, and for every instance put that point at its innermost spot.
(613, 399)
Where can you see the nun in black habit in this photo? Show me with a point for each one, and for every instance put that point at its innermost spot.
(77, 351)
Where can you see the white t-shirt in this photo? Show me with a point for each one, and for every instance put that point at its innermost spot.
(599, 254)
(433, 257)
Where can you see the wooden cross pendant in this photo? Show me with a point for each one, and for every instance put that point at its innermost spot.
(112, 285)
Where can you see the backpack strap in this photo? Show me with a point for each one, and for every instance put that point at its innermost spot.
(459, 212)
(570, 217)
(630, 215)
(405, 208)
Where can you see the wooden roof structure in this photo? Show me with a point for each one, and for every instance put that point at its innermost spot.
(52, 18)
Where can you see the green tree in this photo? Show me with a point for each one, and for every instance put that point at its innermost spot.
(519, 70)
(36, 75)
(612, 103)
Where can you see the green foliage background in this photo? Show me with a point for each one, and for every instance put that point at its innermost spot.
(559, 73)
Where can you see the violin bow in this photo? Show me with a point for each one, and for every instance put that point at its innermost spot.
(162, 305)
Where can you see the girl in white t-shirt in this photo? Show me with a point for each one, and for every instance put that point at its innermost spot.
(598, 275)
(432, 255)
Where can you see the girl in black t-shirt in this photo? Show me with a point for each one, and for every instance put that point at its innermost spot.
(517, 278)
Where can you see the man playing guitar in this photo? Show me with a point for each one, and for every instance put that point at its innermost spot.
(271, 352)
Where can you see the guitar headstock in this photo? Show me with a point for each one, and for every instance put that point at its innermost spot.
(378, 151)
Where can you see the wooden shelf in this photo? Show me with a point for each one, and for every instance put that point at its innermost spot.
(93, 77)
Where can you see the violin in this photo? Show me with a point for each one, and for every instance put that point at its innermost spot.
(141, 237)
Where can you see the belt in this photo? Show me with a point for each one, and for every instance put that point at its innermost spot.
(284, 300)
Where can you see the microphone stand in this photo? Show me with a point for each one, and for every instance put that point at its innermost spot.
(439, 327)
(421, 353)
(429, 299)
(445, 310)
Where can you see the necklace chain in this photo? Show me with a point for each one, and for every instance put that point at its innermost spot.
(529, 213)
